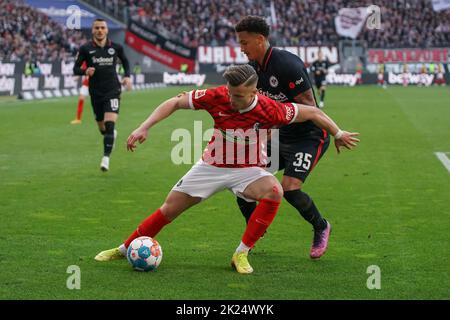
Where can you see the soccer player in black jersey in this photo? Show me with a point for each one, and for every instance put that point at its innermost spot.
(319, 68)
(283, 77)
(101, 56)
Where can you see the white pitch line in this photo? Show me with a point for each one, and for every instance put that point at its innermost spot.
(442, 156)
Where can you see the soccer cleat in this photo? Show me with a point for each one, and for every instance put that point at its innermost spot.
(108, 255)
(76, 121)
(240, 263)
(321, 104)
(104, 166)
(320, 242)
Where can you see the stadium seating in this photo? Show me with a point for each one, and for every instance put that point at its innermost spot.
(27, 34)
(298, 22)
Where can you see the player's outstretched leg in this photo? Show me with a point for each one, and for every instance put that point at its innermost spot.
(150, 227)
(175, 204)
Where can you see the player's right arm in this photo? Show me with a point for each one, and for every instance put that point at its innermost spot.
(322, 120)
(78, 66)
(163, 111)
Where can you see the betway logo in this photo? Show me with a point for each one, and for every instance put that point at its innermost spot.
(344, 78)
(182, 78)
(103, 61)
(426, 79)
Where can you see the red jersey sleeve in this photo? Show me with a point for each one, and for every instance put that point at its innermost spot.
(283, 113)
(202, 99)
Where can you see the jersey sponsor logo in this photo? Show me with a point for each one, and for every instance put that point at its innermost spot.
(278, 97)
(111, 51)
(273, 81)
(200, 93)
(289, 112)
(299, 81)
(103, 61)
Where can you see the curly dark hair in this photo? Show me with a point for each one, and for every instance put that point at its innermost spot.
(253, 24)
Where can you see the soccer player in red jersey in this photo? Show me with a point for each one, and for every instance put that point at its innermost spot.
(235, 108)
(84, 92)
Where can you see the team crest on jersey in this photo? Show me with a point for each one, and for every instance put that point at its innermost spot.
(273, 81)
(111, 51)
(200, 93)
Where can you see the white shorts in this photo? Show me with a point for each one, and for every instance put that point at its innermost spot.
(84, 91)
(203, 180)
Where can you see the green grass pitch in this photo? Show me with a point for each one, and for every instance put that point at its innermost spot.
(388, 202)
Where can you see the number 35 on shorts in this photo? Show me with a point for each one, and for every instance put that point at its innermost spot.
(114, 104)
(302, 162)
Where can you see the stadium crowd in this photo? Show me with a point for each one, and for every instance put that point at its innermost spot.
(26, 33)
(411, 23)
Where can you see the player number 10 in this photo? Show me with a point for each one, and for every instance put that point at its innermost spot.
(303, 160)
(114, 104)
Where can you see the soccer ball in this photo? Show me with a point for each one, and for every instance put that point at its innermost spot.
(144, 254)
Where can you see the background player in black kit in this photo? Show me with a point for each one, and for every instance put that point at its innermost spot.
(319, 68)
(101, 57)
(283, 77)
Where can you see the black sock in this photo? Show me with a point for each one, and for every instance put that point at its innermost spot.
(306, 207)
(322, 95)
(108, 138)
(246, 208)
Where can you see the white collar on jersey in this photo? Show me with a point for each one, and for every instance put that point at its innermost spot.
(250, 107)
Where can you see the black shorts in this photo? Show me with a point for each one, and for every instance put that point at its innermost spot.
(102, 105)
(299, 159)
(320, 81)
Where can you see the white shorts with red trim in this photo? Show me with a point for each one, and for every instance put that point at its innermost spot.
(84, 91)
(203, 180)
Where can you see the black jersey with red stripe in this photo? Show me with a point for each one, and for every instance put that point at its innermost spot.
(282, 77)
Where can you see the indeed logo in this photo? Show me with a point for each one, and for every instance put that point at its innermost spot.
(103, 61)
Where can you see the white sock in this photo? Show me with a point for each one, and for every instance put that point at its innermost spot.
(242, 248)
(123, 250)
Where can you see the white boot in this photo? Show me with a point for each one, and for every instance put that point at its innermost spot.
(104, 166)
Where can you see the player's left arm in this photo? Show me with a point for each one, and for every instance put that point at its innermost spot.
(126, 66)
(322, 120)
(163, 111)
